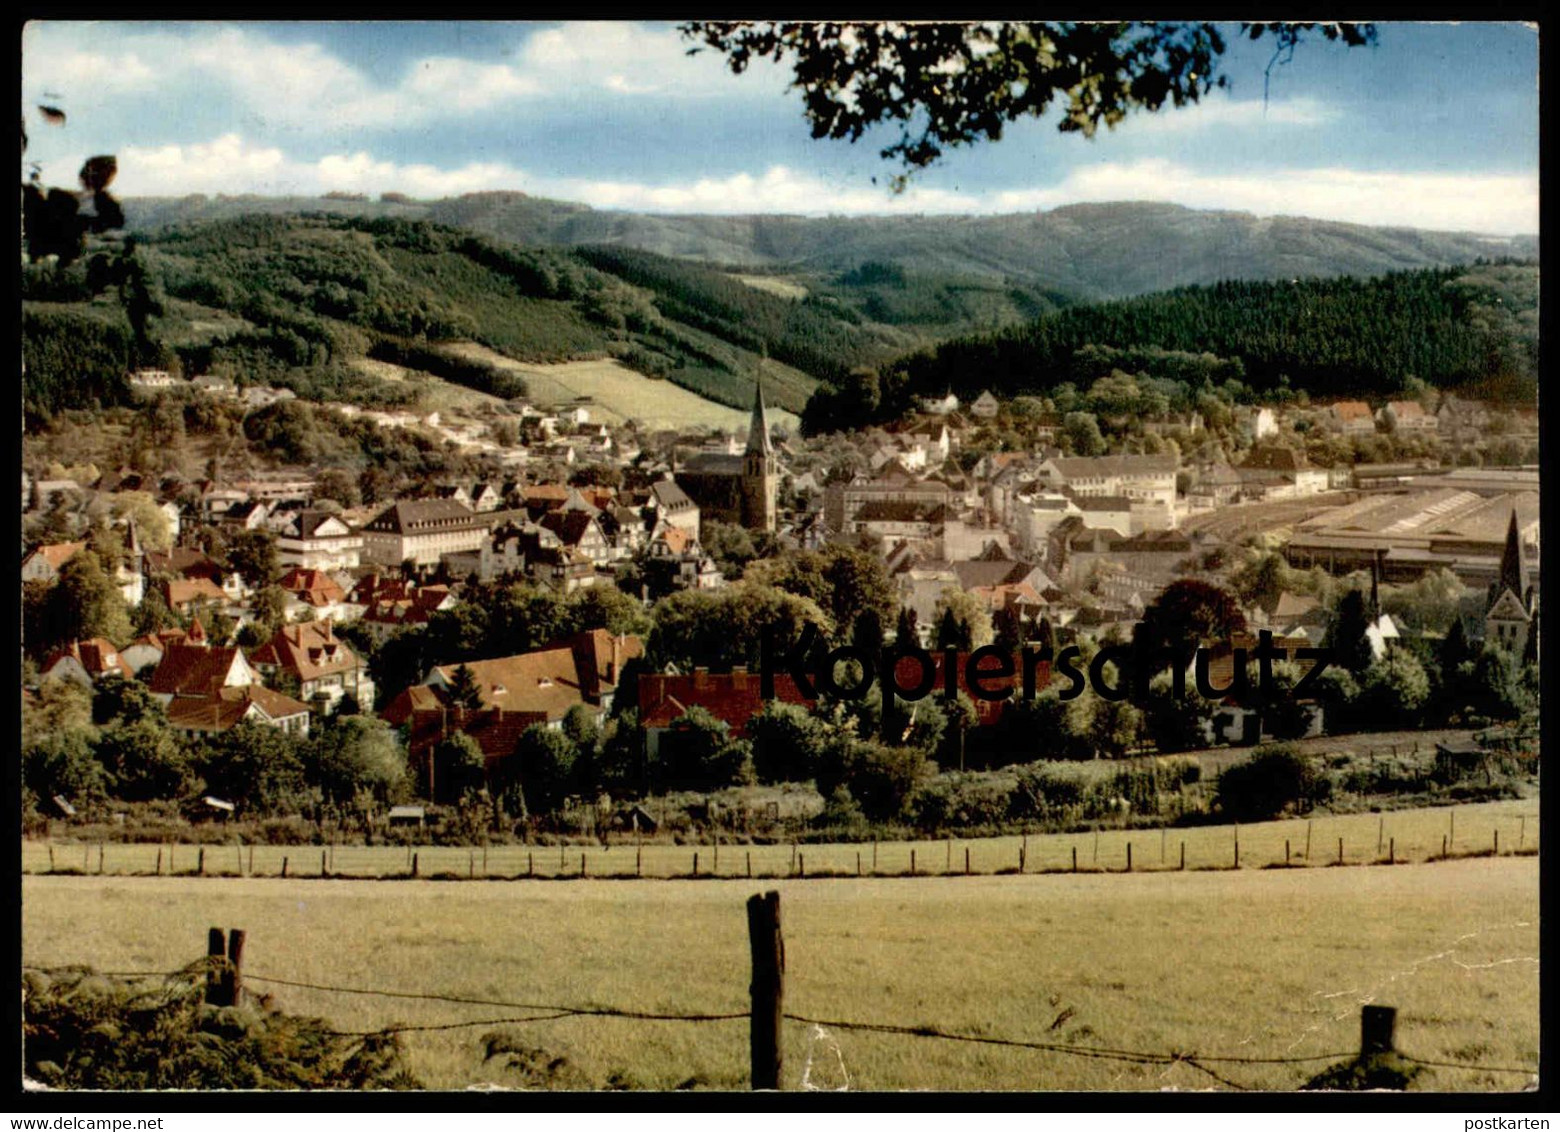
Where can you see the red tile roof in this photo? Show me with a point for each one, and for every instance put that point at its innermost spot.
(227, 707)
(308, 650)
(193, 670)
(180, 592)
(313, 586)
(98, 656)
(56, 554)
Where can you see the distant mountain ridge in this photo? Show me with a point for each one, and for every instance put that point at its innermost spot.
(1087, 251)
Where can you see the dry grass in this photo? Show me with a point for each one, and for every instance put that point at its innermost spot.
(1404, 835)
(434, 394)
(775, 285)
(1250, 963)
(622, 394)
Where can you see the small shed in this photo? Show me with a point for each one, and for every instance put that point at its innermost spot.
(63, 806)
(216, 808)
(1459, 759)
(639, 820)
(403, 817)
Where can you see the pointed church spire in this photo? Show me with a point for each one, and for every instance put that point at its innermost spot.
(1513, 575)
(758, 428)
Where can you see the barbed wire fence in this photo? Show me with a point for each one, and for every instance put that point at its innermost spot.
(226, 979)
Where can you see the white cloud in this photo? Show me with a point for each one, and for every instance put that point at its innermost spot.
(1214, 113)
(304, 87)
(1497, 204)
(636, 59)
(231, 165)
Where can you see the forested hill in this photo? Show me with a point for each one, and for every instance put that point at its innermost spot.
(296, 300)
(1087, 251)
(1474, 327)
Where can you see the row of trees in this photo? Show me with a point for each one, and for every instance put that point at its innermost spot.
(115, 742)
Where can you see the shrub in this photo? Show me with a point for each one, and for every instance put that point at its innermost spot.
(1047, 793)
(83, 1031)
(1271, 781)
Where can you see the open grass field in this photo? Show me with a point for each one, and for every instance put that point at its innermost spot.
(1250, 964)
(621, 393)
(1402, 835)
(775, 285)
(434, 394)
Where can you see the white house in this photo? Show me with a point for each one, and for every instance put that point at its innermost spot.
(318, 540)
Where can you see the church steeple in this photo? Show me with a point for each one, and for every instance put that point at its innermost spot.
(758, 428)
(760, 470)
(1513, 576)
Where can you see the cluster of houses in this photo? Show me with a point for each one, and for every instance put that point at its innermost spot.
(1081, 542)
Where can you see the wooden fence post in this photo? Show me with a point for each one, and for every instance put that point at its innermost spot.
(1376, 1025)
(324, 864)
(639, 860)
(1340, 850)
(1392, 851)
(1163, 835)
(695, 864)
(530, 864)
(251, 860)
(100, 858)
(1129, 856)
(1521, 834)
(415, 863)
(966, 860)
(1308, 841)
(582, 864)
(912, 862)
(1381, 830)
(1451, 830)
(874, 856)
(858, 862)
(238, 851)
(200, 866)
(233, 973)
(1075, 858)
(767, 989)
(1286, 850)
(750, 864)
(159, 860)
(1237, 853)
(1443, 845)
(801, 864)
(948, 864)
(1497, 843)
(216, 951)
(284, 868)
(1183, 856)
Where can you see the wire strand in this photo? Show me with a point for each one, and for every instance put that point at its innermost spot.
(604, 1011)
(554, 1012)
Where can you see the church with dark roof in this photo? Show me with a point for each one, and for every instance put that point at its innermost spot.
(1511, 606)
(740, 490)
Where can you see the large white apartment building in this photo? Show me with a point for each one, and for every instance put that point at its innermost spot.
(421, 530)
(1147, 483)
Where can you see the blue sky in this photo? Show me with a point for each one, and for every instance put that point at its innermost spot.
(1436, 127)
